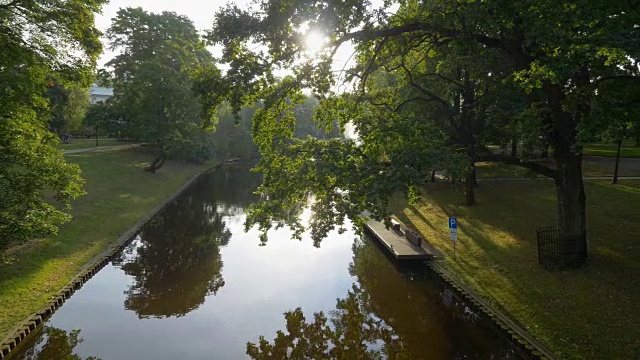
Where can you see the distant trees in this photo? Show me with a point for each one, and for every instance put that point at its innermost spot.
(40, 41)
(68, 105)
(232, 137)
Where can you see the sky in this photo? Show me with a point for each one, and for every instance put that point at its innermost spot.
(201, 12)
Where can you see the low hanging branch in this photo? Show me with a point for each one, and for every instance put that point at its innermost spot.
(157, 163)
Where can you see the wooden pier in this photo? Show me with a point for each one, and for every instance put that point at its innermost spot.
(399, 246)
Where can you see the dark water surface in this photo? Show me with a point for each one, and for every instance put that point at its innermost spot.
(194, 285)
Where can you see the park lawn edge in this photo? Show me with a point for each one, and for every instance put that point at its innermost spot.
(494, 281)
(92, 251)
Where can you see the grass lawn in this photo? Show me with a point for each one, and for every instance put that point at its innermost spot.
(500, 170)
(118, 194)
(589, 313)
(609, 149)
(89, 143)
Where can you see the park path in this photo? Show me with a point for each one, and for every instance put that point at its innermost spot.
(97, 148)
(546, 178)
(609, 161)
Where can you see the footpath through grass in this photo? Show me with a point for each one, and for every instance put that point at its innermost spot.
(486, 170)
(119, 192)
(589, 313)
(628, 149)
(89, 143)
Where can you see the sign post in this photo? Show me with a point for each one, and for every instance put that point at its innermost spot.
(453, 233)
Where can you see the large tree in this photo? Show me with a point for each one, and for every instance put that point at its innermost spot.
(152, 81)
(560, 55)
(40, 40)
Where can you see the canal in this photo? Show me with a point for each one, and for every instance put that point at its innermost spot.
(194, 285)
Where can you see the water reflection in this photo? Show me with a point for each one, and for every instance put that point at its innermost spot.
(50, 343)
(173, 273)
(176, 260)
(388, 314)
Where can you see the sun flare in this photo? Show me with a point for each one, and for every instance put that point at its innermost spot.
(314, 42)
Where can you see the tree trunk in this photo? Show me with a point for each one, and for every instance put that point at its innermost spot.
(475, 175)
(545, 151)
(514, 148)
(572, 221)
(433, 175)
(571, 211)
(157, 163)
(469, 188)
(615, 171)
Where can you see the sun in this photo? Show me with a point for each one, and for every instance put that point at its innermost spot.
(314, 42)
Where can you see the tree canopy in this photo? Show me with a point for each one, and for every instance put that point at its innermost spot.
(152, 81)
(40, 41)
(433, 81)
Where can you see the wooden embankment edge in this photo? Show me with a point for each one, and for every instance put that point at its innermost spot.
(512, 330)
(519, 336)
(23, 328)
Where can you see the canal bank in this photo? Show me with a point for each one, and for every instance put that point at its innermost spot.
(36, 278)
(405, 245)
(497, 257)
(219, 290)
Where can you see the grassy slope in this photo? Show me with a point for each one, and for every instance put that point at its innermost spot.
(609, 149)
(590, 313)
(89, 143)
(119, 193)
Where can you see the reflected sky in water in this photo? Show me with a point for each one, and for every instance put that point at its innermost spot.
(194, 285)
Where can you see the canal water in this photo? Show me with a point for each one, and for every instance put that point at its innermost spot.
(194, 285)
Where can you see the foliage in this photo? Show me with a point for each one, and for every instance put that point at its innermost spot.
(56, 344)
(537, 68)
(40, 41)
(232, 137)
(68, 106)
(152, 83)
(118, 195)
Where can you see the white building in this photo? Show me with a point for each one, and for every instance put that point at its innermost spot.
(99, 94)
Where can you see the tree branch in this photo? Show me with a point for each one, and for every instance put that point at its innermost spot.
(540, 169)
(617, 77)
(438, 99)
(9, 4)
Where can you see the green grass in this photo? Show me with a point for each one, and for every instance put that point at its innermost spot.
(609, 149)
(119, 193)
(486, 170)
(588, 313)
(89, 143)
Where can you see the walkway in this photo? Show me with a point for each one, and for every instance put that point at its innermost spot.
(75, 151)
(546, 178)
(609, 161)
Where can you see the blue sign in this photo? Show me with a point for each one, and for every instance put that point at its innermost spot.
(453, 223)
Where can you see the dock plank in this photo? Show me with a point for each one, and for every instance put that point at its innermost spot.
(399, 246)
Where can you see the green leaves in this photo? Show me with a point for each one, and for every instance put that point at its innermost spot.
(153, 82)
(40, 41)
(433, 84)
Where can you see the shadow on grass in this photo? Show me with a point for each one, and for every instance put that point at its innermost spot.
(498, 256)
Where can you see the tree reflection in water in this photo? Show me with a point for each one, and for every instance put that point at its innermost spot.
(176, 262)
(386, 315)
(50, 343)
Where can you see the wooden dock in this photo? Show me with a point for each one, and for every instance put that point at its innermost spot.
(399, 246)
